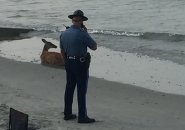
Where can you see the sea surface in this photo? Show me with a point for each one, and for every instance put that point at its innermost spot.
(146, 27)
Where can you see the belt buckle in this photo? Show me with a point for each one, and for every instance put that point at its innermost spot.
(82, 59)
(71, 57)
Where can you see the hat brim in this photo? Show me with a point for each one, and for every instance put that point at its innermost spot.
(83, 17)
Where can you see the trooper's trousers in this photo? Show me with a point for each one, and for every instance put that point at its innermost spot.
(77, 73)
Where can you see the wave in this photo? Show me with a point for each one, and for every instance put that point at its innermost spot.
(12, 32)
(143, 35)
(117, 33)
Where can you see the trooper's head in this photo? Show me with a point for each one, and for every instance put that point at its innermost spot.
(78, 17)
(78, 13)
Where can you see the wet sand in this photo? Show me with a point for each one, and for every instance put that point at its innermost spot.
(38, 91)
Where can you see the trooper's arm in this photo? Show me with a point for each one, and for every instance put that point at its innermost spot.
(93, 45)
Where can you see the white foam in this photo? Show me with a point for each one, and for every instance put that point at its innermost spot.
(137, 70)
(123, 67)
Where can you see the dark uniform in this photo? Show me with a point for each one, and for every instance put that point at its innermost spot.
(74, 41)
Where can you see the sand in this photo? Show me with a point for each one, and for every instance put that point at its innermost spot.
(38, 91)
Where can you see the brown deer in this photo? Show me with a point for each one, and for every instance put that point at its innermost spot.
(51, 58)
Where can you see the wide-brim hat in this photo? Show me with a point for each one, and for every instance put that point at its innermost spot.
(78, 13)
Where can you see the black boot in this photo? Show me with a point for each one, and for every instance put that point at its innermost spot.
(86, 120)
(70, 117)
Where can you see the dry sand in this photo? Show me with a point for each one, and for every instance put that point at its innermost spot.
(38, 91)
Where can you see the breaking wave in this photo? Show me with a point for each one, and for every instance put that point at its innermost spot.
(143, 35)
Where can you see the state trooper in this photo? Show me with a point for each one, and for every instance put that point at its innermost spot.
(74, 42)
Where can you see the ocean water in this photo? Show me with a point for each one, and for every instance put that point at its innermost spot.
(146, 27)
(166, 16)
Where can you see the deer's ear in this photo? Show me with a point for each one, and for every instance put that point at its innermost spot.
(43, 40)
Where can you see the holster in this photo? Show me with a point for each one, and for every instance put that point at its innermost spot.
(88, 60)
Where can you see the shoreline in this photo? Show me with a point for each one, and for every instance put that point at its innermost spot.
(122, 67)
(38, 90)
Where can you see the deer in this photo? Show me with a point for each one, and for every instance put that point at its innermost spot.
(51, 58)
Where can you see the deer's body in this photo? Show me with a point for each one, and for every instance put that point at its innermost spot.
(51, 58)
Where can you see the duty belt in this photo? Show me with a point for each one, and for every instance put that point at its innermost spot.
(81, 59)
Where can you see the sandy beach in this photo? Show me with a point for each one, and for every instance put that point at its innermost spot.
(38, 91)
